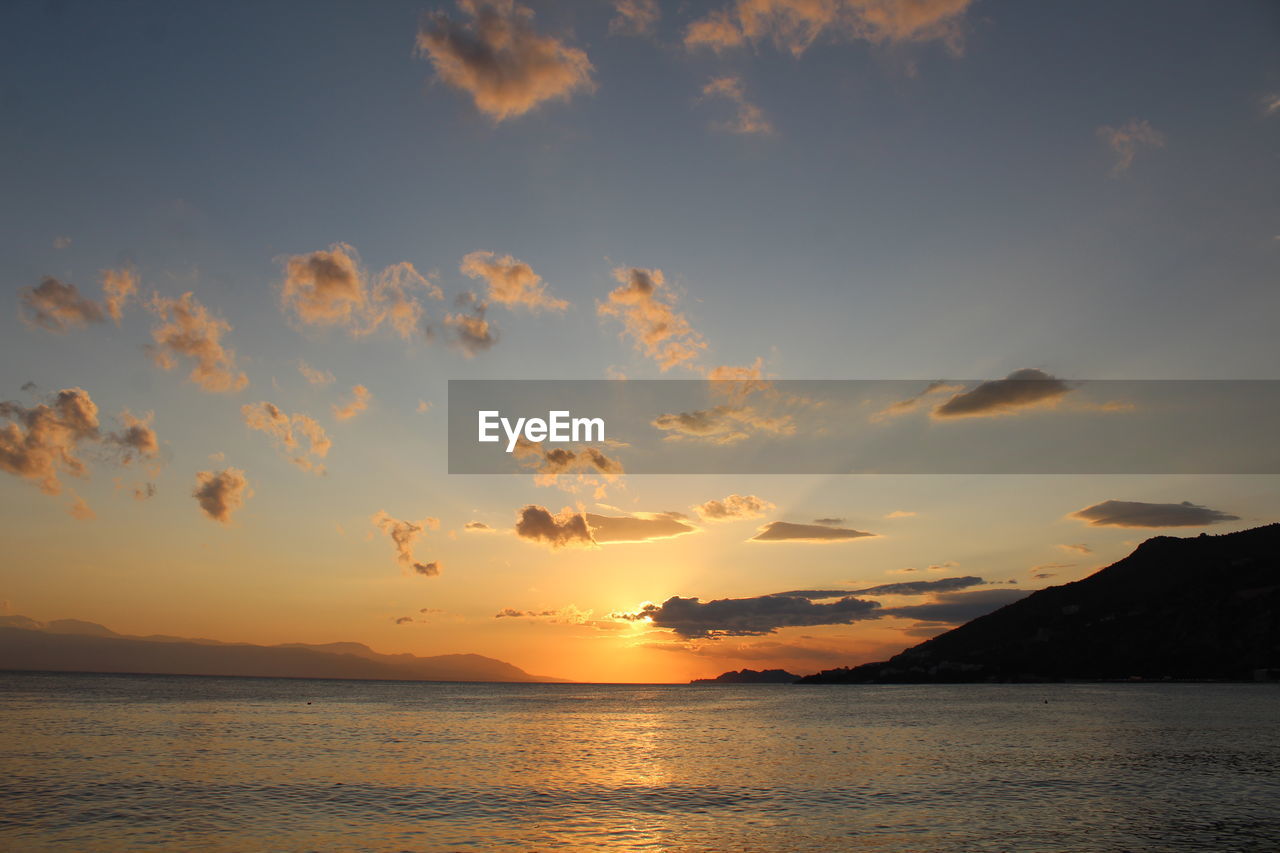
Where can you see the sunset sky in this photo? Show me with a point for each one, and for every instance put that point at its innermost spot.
(258, 240)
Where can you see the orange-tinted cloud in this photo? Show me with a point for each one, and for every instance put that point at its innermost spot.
(471, 332)
(722, 424)
(634, 17)
(500, 60)
(118, 287)
(645, 306)
(44, 440)
(313, 375)
(285, 429)
(511, 282)
(187, 329)
(733, 507)
(748, 118)
(561, 530)
(57, 306)
(331, 288)
(1127, 139)
(220, 493)
(403, 534)
(793, 25)
(641, 527)
(360, 397)
(786, 531)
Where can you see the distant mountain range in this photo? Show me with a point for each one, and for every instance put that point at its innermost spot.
(750, 676)
(1198, 608)
(71, 645)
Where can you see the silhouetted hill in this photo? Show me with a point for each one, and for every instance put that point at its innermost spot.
(1196, 608)
(70, 645)
(750, 676)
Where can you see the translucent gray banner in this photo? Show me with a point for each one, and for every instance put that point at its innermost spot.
(1028, 423)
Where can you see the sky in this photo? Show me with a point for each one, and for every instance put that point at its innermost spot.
(245, 247)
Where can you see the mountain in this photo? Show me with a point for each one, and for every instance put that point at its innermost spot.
(1197, 608)
(70, 645)
(750, 676)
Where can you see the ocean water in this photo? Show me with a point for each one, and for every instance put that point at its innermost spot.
(102, 762)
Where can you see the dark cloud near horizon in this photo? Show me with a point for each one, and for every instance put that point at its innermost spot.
(954, 608)
(565, 529)
(1139, 514)
(746, 617)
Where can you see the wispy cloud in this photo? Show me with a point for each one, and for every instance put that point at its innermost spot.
(511, 282)
(748, 118)
(635, 17)
(645, 305)
(285, 429)
(360, 397)
(1127, 140)
(187, 329)
(58, 306)
(403, 535)
(794, 25)
(733, 508)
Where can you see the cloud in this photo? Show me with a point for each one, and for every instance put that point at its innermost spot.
(360, 397)
(1127, 139)
(285, 429)
(911, 404)
(61, 242)
(733, 508)
(1271, 104)
(793, 25)
(722, 424)
(81, 511)
(137, 440)
(646, 308)
(1017, 391)
(642, 527)
(511, 282)
(477, 527)
(403, 534)
(220, 493)
(952, 608)
(565, 529)
(1079, 548)
(786, 531)
(634, 17)
(314, 376)
(41, 441)
(900, 513)
(1139, 514)
(568, 615)
(829, 522)
(118, 287)
(743, 617)
(57, 307)
(920, 587)
(748, 118)
(187, 329)
(472, 333)
(500, 60)
(330, 288)
(569, 469)
(423, 407)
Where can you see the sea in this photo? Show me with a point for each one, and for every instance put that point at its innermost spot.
(128, 762)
